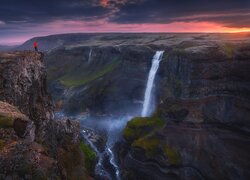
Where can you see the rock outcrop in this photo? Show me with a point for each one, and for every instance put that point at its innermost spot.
(32, 144)
(23, 84)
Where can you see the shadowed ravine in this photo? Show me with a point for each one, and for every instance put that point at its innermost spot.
(113, 127)
(196, 102)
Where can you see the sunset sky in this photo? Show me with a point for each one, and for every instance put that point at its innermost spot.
(23, 19)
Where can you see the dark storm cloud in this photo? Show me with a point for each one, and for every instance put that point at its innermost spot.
(41, 17)
(232, 13)
(13, 11)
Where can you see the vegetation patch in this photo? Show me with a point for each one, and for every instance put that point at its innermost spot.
(6, 122)
(149, 145)
(140, 126)
(75, 79)
(154, 146)
(145, 134)
(172, 155)
(90, 157)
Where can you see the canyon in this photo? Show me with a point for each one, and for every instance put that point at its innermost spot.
(198, 124)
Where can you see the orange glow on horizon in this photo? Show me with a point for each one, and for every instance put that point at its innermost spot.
(175, 27)
(103, 26)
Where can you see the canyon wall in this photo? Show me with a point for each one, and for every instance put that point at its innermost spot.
(200, 129)
(32, 144)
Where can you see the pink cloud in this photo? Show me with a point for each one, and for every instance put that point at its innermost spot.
(102, 25)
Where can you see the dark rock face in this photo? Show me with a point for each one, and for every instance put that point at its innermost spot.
(53, 150)
(11, 117)
(205, 103)
(118, 89)
(202, 91)
(23, 84)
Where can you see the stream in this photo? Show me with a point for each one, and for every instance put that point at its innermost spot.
(111, 127)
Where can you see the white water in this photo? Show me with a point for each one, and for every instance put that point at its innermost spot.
(113, 129)
(114, 163)
(99, 169)
(147, 97)
(90, 54)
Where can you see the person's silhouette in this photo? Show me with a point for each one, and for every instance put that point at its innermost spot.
(35, 46)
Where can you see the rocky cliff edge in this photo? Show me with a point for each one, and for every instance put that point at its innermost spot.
(32, 144)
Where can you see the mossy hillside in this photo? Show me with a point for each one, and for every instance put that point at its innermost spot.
(80, 77)
(90, 157)
(6, 121)
(144, 133)
(172, 154)
(62, 61)
(154, 146)
(141, 126)
(149, 145)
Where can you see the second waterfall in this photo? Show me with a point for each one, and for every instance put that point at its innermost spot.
(150, 83)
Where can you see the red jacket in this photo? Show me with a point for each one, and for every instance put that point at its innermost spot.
(35, 44)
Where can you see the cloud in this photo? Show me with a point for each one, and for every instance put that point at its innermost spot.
(31, 18)
(2, 23)
(231, 13)
(49, 10)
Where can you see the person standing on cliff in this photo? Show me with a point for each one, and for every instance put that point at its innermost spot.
(35, 46)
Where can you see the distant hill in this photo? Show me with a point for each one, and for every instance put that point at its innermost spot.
(6, 48)
(46, 43)
(51, 42)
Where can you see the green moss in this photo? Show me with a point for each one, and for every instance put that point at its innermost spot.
(172, 155)
(6, 122)
(130, 133)
(141, 126)
(90, 157)
(76, 79)
(151, 146)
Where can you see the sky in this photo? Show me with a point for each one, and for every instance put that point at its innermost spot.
(21, 20)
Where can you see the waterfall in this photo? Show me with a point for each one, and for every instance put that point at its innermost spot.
(90, 54)
(147, 97)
